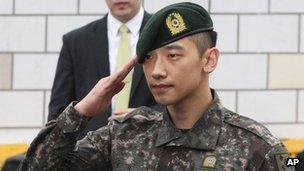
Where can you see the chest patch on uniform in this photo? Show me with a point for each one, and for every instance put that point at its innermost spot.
(209, 161)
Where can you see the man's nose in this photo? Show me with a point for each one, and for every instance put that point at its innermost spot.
(159, 70)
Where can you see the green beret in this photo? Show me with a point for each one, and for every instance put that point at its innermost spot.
(170, 24)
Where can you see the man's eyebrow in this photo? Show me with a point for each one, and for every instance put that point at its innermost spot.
(174, 47)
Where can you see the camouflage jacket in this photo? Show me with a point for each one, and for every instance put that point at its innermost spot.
(148, 140)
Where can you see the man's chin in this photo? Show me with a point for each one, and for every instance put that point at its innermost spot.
(164, 101)
(123, 12)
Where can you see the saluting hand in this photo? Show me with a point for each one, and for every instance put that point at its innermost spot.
(99, 98)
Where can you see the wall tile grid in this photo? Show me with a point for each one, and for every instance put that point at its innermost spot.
(259, 75)
(59, 25)
(6, 6)
(5, 71)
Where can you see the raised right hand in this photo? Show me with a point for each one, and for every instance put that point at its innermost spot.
(99, 98)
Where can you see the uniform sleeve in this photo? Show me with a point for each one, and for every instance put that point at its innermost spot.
(56, 147)
(275, 159)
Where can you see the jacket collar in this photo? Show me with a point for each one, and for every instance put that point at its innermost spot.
(203, 135)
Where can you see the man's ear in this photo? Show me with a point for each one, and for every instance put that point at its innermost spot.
(210, 59)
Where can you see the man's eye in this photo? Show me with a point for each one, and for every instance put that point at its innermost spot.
(148, 57)
(172, 55)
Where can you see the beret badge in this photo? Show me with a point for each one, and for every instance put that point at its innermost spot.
(171, 24)
(175, 23)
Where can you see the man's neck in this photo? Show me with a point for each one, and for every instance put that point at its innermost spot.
(187, 112)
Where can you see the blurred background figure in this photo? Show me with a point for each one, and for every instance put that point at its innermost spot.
(96, 50)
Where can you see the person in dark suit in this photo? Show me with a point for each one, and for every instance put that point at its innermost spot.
(89, 54)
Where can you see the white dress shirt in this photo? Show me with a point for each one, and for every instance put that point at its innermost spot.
(113, 26)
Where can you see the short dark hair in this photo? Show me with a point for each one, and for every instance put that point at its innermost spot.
(204, 40)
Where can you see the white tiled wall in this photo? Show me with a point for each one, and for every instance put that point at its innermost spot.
(226, 27)
(46, 105)
(287, 6)
(59, 25)
(286, 130)
(20, 135)
(5, 71)
(34, 71)
(240, 71)
(239, 6)
(25, 34)
(301, 106)
(268, 106)
(21, 108)
(302, 33)
(153, 6)
(259, 74)
(6, 6)
(46, 6)
(289, 77)
(228, 99)
(269, 33)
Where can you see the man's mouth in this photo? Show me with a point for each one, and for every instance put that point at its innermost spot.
(161, 88)
(121, 4)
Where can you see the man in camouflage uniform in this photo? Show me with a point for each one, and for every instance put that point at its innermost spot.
(195, 132)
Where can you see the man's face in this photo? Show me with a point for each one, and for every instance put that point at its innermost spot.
(124, 10)
(174, 72)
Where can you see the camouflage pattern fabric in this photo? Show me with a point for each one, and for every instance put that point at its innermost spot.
(148, 140)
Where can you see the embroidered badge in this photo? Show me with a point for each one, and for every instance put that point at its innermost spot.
(209, 161)
(175, 23)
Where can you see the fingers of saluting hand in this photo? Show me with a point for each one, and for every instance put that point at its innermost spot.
(115, 117)
(123, 111)
(120, 114)
(119, 87)
(123, 72)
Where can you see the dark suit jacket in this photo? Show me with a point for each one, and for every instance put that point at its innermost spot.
(83, 60)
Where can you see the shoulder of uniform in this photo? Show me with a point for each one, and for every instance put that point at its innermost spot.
(140, 115)
(252, 126)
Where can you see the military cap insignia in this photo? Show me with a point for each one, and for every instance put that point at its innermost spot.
(209, 161)
(175, 23)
